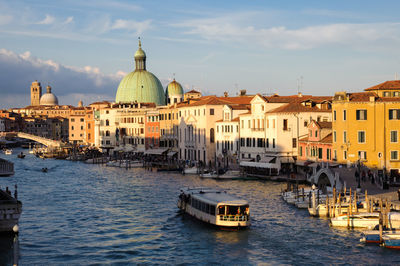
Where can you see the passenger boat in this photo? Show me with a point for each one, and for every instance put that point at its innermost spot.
(8, 151)
(215, 207)
(10, 211)
(391, 240)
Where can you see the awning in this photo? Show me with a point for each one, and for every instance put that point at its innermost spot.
(313, 164)
(155, 151)
(171, 153)
(287, 159)
(267, 159)
(247, 159)
(259, 165)
(303, 163)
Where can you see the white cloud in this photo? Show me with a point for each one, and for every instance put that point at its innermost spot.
(137, 26)
(17, 71)
(227, 29)
(68, 20)
(47, 20)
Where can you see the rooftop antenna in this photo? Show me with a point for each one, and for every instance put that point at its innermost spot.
(299, 84)
(173, 75)
(395, 76)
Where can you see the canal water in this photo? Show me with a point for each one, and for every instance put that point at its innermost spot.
(81, 214)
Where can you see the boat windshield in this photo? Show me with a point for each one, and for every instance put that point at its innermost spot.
(233, 210)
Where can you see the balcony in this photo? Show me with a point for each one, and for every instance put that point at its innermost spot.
(257, 129)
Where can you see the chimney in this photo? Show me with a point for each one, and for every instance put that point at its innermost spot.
(225, 94)
(242, 92)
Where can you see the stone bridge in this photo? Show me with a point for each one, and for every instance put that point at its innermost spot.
(325, 176)
(47, 142)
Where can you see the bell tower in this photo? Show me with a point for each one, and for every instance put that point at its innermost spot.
(36, 93)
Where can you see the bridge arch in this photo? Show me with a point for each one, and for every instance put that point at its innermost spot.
(50, 143)
(325, 177)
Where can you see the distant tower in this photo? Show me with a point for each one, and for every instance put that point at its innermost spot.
(80, 103)
(36, 93)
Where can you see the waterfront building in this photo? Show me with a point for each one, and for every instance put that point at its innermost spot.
(152, 129)
(196, 131)
(10, 121)
(366, 127)
(140, 85)
(317, 145)
(55, 128)
(121, 124)
(270, 131)
(228, 133)
(169, 125)
(81, 124)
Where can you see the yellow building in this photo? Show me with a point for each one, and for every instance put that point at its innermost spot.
(366, 127)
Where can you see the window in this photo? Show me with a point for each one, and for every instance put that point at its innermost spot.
(345, 136)
(316, 133)
(328, 154)
(107, 122)
(362, 155)
(294, 142)
(396, 94)
(345, 155)
(212, 111)
(285, 124)
(107, 133)
(394, 155)
(386, 94)
(72, 119)
(394, 114)
(361, 136)
(319, 153)
(344, 115)
(212, 135)
(393, 136)
(334, 136)
(82, 120)
(305, 123)
(334, 155)
(334, 115)
(273, 143)
(72, 127)
(361, 114)
(301, 151)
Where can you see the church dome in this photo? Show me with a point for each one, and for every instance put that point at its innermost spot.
(174, 88)
(140, 85)
(48, 98)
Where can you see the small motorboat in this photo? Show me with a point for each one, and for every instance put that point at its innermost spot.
(21, 155)
(391, 240)
(8, 151)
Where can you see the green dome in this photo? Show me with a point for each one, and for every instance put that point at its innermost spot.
(140, 86)
(174, 88)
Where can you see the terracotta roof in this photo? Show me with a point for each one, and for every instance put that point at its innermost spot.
(297, 107)
(193, 91)
(236, 119)
(324, 124)
(387, 85)
(365, 97)
(327, 139)
(214, 100)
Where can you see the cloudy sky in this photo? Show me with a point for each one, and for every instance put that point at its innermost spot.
(84, 48)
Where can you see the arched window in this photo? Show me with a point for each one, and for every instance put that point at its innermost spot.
(107, 122)
(211, 135)
(107, 133)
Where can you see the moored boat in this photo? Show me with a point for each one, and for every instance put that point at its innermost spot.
(391, 240)
(10, 211)
(229, 175)
(360, 220)
(373, 236)
(8, 151)
(215, 207)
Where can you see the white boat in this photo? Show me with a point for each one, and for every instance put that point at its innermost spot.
(190, 171)
(212, 174)
(229, 175)
(125, 164)
(10, 211)
(360, 220)
(215, 207)
(366, 220)
(8, 151)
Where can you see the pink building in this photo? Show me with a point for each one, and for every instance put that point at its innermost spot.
(317, 145)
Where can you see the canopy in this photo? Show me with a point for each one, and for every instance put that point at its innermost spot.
(171, 153)
(267, 159)
(155, 151)
(259, 165)
(287, 159)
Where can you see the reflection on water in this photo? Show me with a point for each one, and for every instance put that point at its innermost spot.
(91, 214)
